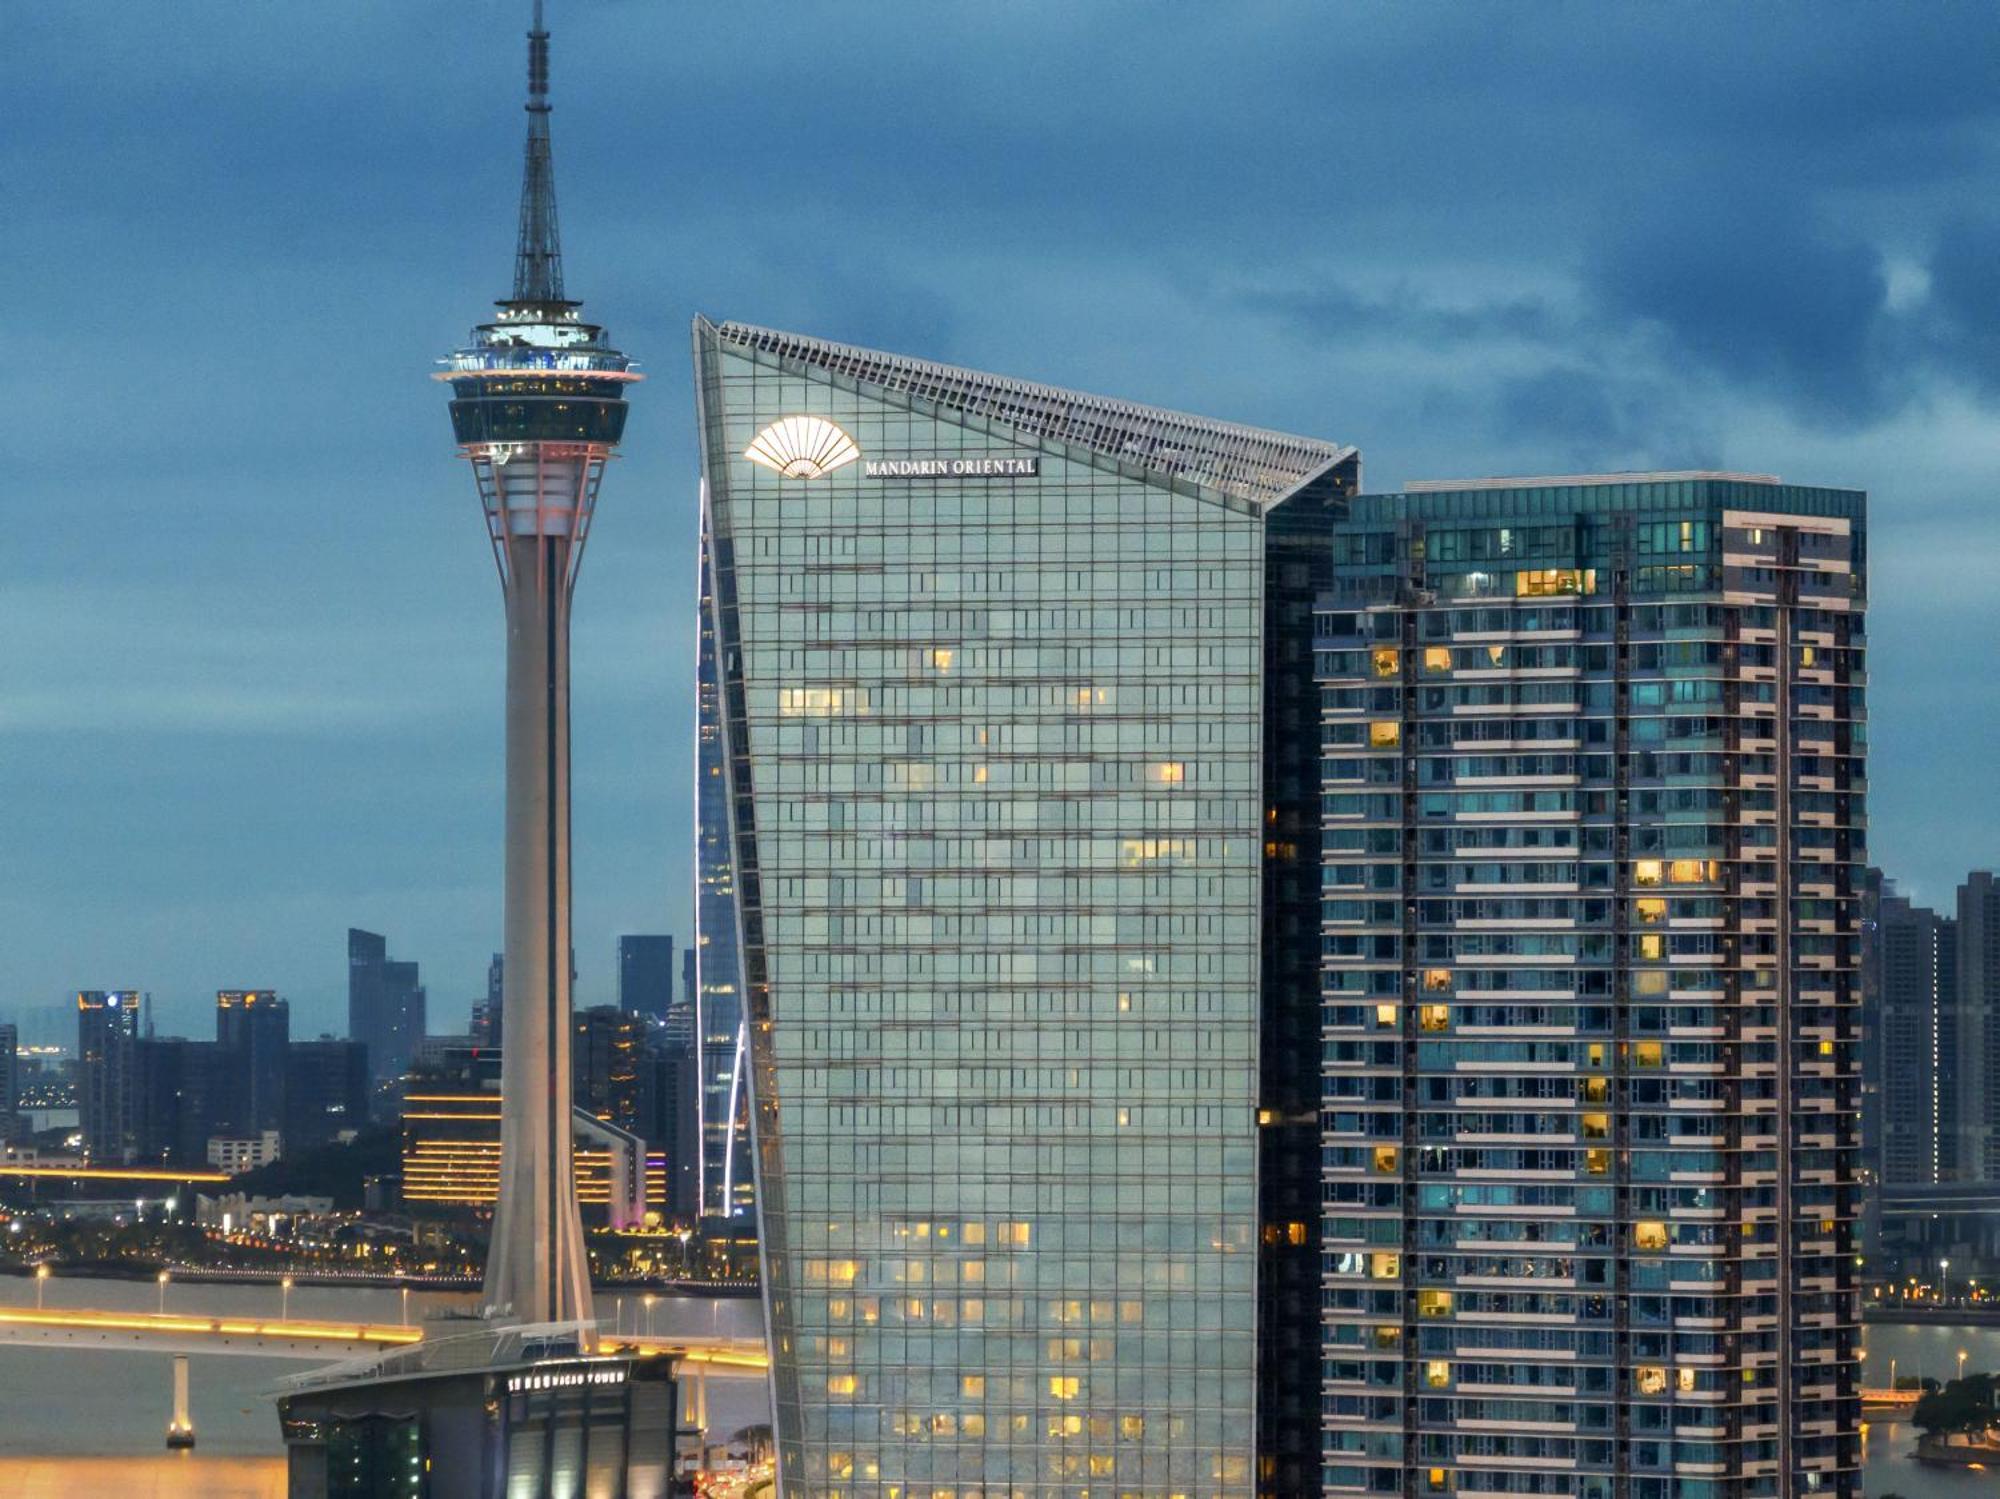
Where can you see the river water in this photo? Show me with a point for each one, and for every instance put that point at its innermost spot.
(78, 1423)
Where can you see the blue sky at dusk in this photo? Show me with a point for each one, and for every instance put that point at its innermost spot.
(251, 678)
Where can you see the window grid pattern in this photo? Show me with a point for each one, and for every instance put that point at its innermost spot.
(1592, 859)
(995, 752)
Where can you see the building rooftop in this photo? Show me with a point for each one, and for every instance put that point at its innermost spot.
(1251, 464)
(1573, 481)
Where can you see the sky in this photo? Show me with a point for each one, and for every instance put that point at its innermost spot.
(250, 633)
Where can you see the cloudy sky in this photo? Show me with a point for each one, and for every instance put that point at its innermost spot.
(250, 649)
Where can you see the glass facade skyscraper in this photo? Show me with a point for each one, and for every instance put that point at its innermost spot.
(1593, 844)
(991, 684)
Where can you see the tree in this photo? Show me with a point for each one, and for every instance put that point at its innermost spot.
(1962, 1406)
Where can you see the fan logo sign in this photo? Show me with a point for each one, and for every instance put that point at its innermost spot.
(1013, 467)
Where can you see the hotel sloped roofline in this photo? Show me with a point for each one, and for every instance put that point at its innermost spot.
(1253, 465)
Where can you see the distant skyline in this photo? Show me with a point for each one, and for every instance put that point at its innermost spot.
(253, 654)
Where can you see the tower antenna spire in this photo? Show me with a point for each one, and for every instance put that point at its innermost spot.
(538, 279)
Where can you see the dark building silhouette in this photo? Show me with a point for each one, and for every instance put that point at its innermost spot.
(646, 975)
(10, 1082)
(669, 1089)
(1909, 1014)
(183, 1091)
(1975, 1113)
(326, 1091)
(604, 1059)
(107, 1035)
(385, 1005)
(253, 1027)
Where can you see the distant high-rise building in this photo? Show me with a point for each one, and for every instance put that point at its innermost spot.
(646, 975)
(254, 1027)
(689, 988)
(981, 704)
(669, 1081)
(489, 1020)
(1592, 822)
(1909, 1012)
(385, 1005)
(605, 1055)
(185, 1093)
(10, 1082)
(107, 1023)
(327, 1088)
(724, 1171)
(1976, 1071)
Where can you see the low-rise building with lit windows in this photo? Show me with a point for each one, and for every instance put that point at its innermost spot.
(451, 1157)
(1594, 809)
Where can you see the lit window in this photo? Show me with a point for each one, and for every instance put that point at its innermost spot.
(1596, 1126)
(1649, 1233)
(1013, 1233)
(1435, 1017)
(1167, 772)
(1651, 1379)
(1437, 658)
(1684, 1380)
(1826, 1048)
(979, 775)
(1437, 1373)
(822, 702)
(1433, 1303)
(1652, 947)
(1385, 660)
(1439, 1479)
(972, 1384)
(1691, 871)
(1650, 909)
(1437, 980)
(1295, 1233)
(1385, 1015)
(1647, 1054)
(1385, 1264)
(1388, 1337)
(940, 659)
(1386, 1157)
(1597, 1161)
(1548, 582)
(1064, 1387)
(974, 1233)
(842, 1384)
(973, 1425)
(1646, 872)
(1596, 1090)
(1385, 734)
(1131, 1428)
(1650, 982)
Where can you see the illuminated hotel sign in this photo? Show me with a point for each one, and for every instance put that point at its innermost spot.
(1010, 467)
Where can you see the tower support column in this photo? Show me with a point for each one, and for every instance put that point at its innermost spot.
(536, 1270)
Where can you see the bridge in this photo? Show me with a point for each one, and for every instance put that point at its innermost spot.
(716, 1355)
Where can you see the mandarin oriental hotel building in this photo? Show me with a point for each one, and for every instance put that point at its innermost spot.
(1035, 1095)
(1594, 796)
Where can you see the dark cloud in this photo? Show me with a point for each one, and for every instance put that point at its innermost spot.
(1768, 300)
(252, 623)
(1964, 302)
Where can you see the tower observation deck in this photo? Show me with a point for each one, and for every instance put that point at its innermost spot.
(538, 407)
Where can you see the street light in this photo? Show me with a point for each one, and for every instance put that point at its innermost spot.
(163, 1292)
(1961, 1363)
(41, 1281)
(285, 1299)
(1944, 1282)
(649, 1299)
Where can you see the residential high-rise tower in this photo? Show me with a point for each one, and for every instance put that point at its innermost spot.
(107, 1082)
(989, 662)
(538, 406)
(1594, 803)
(386, 1005)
